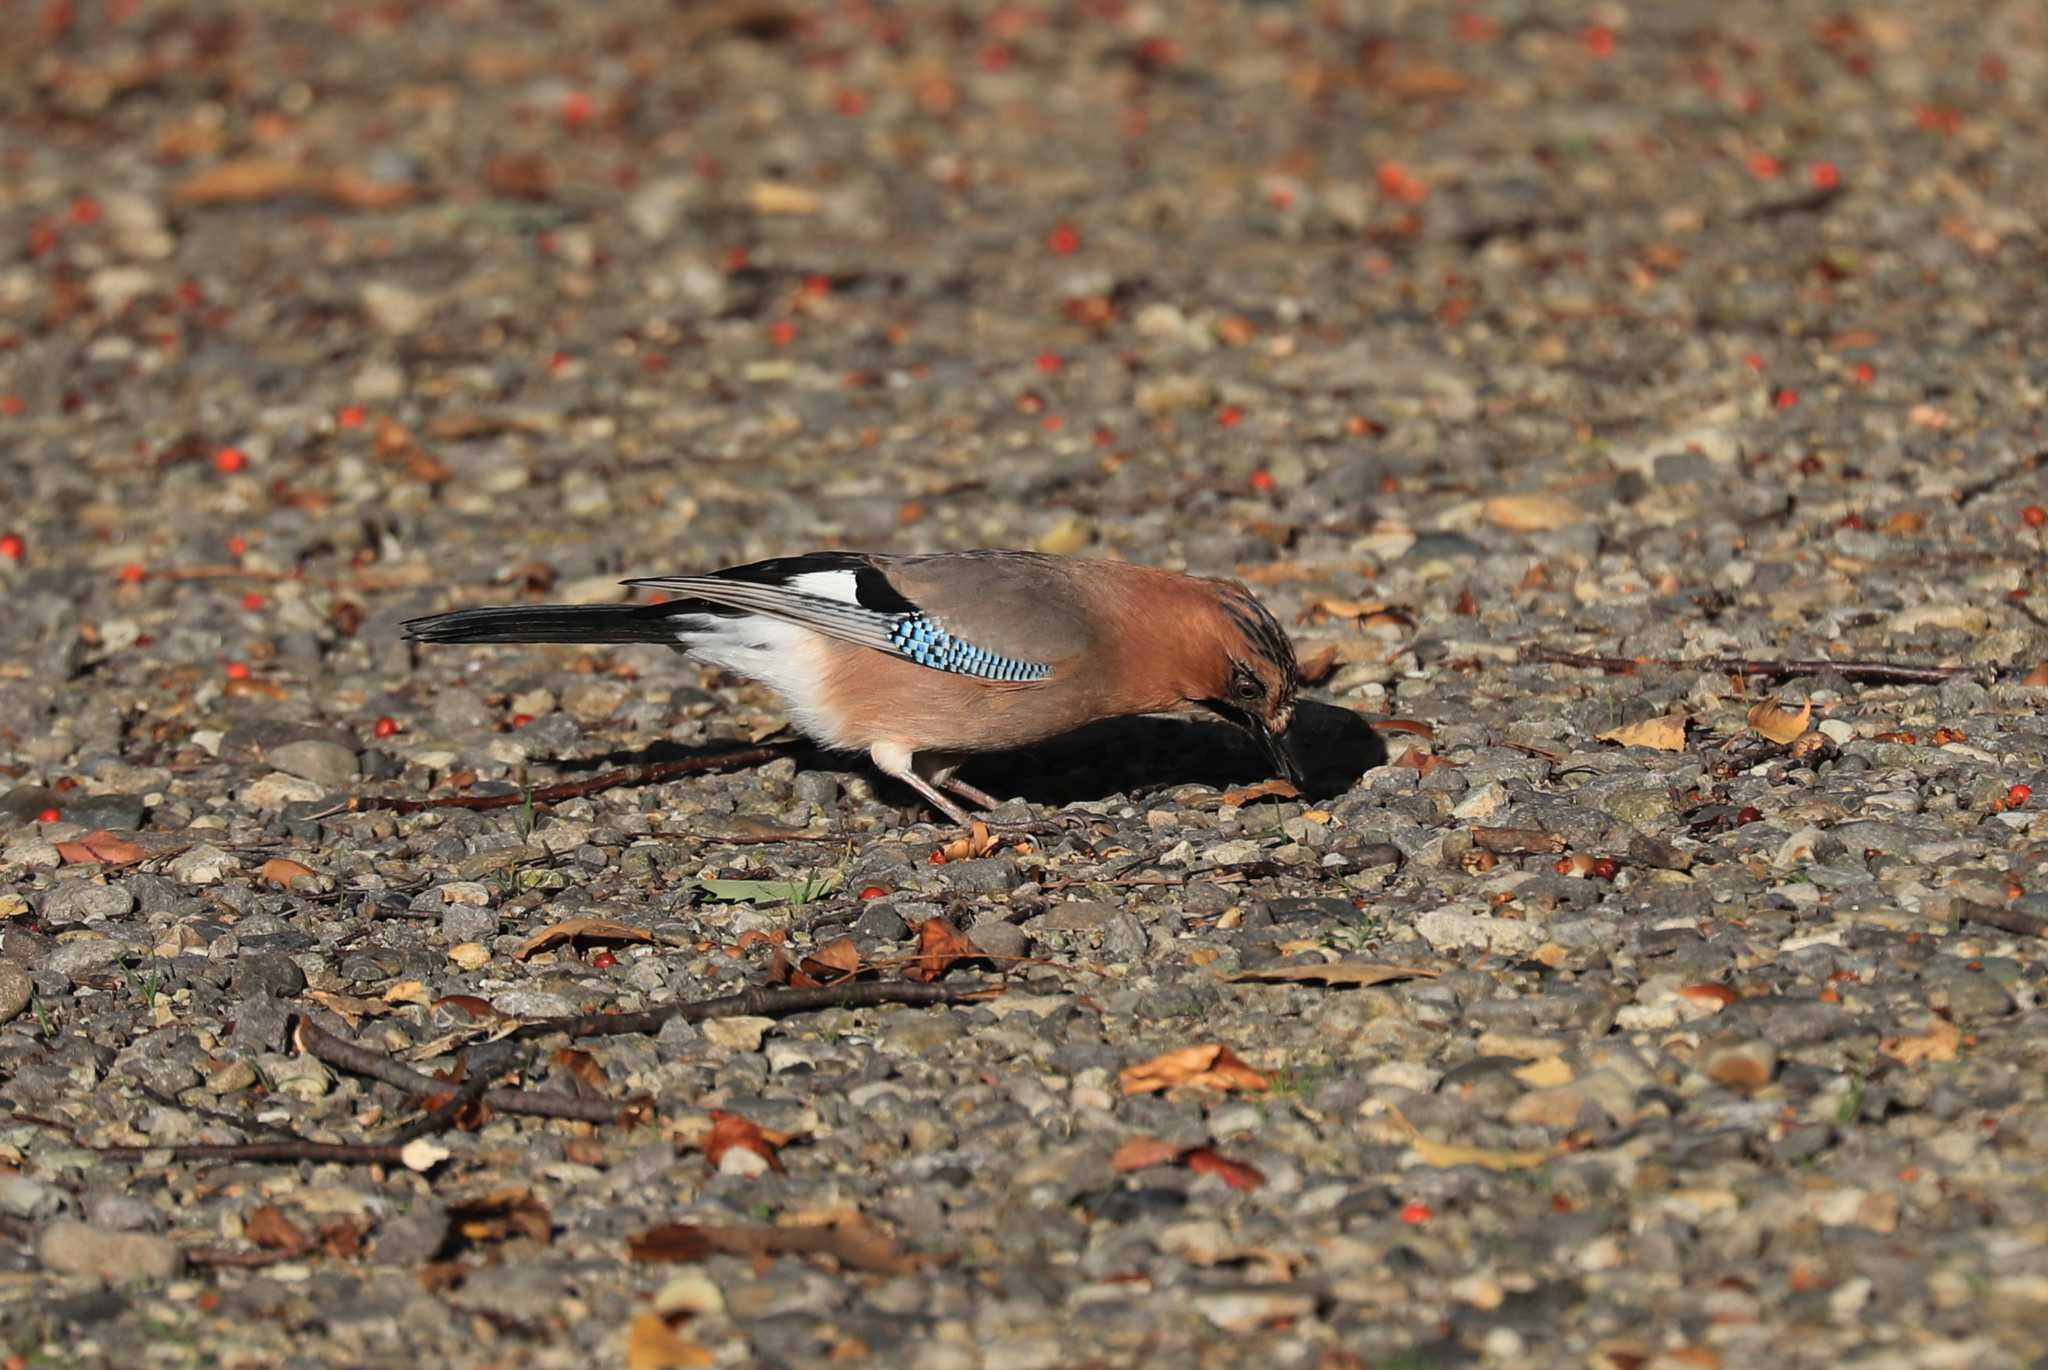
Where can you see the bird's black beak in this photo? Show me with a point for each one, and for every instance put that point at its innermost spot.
(1280, 751)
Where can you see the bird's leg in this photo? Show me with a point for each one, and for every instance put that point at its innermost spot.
(943, 772)
(945, 776)
(896, 761)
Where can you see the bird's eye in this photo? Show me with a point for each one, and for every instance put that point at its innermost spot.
(1247, 688)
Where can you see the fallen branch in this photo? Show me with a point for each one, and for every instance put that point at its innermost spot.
(360, 1060)
(568, 789)
(338, 1153)
(1870, 672)
(2005, 920)
(760, 1003)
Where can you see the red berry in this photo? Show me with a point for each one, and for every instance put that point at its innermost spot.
(1416, 1213)
(85, 211)
(229, 460)
(12, 547)
(602, 960)
(735, 259)
(11, 405)
(817, 285)
(132, 572)
(1865, 373)
(1749, 814)
(1763, 166)
(577, 108)
(851, 103)
(387, 726)
(1230, 416)
(1785, 398)
(49, 816)
(1261, 480)
(237, 545)
(1824, 175)
(521, 720)
(873, 892)
(1048, 362)
(1606, 868)
(252, 601)
(782, 333)
(238, 670)
(1065, 240)
(2019, 794)
(2033, 516)
(351, 416)
(1598, 40)
(1753, 360)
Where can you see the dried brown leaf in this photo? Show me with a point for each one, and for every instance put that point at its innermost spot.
(1140, 1153)
(589, 929)
(1531, 513)
(1265, 789)
(1236, 1174)
(280, 870)
(837, 960)
(269, 1228)
(1938, 1043)
(1317, 666)
(241, 180)
(503, 1213)
(1665, 734)
(651, 1344)
(1210, 1065)
(731, 1131)
(849, 1239)
(101, 848)
(939, 945)
(1779, 724)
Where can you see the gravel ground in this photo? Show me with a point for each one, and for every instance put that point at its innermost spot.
(1711, 335)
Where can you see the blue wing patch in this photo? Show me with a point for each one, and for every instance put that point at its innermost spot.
(926, 643)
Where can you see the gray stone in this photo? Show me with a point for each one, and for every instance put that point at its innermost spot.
(328, 764)
(266, 972)
(413, 1238)
(467, 923)
(114, 812)
(999, 937)
(16, 989)
(202, 865)
(85, 955)
(817, 788)
(1969, 997)
(880, 921)
(121, 1213)
(260, 1022)
(24, 1197)
(984, 875)
(86, 901)
(66, 1247)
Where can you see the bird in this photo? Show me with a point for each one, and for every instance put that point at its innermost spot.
(924, 661)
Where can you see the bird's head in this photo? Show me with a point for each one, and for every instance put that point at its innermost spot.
(1248, 674)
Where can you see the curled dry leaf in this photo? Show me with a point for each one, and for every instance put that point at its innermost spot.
(1938, 1043)
(830, 964)
(939, 945)
(1317, 666)
(1708, 996)
(591, 929)
(731, 1132)
(279, 870)
(1208, 1161)
(651, 1344)
(1531, 513)
(242, 180)
(848, 1239)
(500, 1214)
(1208, 1066)
(1666, 734)
(1142, 1153)
(977, 842)
(101, 848)
(583, 1067)
(269, 1228)
(1779, 724)
(1265, 789)
(1349, 974)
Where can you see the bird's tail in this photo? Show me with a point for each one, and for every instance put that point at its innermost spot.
(670, 623)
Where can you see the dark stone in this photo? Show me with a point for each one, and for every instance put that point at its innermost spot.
(880, 922)
(1133, 1205)
(259, 1025)
(117, 812)
(266, 972)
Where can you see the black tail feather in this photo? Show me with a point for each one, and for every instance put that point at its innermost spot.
(592, 623)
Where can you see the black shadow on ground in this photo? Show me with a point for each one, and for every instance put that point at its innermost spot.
(1123, 755)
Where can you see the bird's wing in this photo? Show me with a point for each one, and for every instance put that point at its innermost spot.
(992, 616)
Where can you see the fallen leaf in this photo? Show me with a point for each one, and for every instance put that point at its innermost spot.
(799, 891)
(269, 1228)
(1531, 513)
(280, 871)
(1369, 613)
(731, 1131)
(977, 842)
(849, 1239)
(1938, 1043)
(1420, 759)
(1208, 1066)
(651, 1344)
(1265, 789)
(101, 848)
(782, 197)
(241, 180)
(1547, 1073)
(410, 992)
(503, 1213)
(1779, 724)
(593, 929)
(939, 945)
(837, 960)
(1207, 1161)
(1708, 996)
(583, 1066)
(1318, 666)
(1141, 1153)
(1666, 734)
(1447, 1154)
(1349, 974)
(350, 1008)
(1404, 725)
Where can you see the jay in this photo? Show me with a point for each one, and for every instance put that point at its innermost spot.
(925, 661)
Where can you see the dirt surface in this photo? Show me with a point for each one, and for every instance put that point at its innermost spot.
(1496, 346)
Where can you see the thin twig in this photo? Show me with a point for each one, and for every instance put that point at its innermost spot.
(2005, 920)
(360, 1060)
(760, 1003)
(569, 789)
(338, 1153)
(1870, 672)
